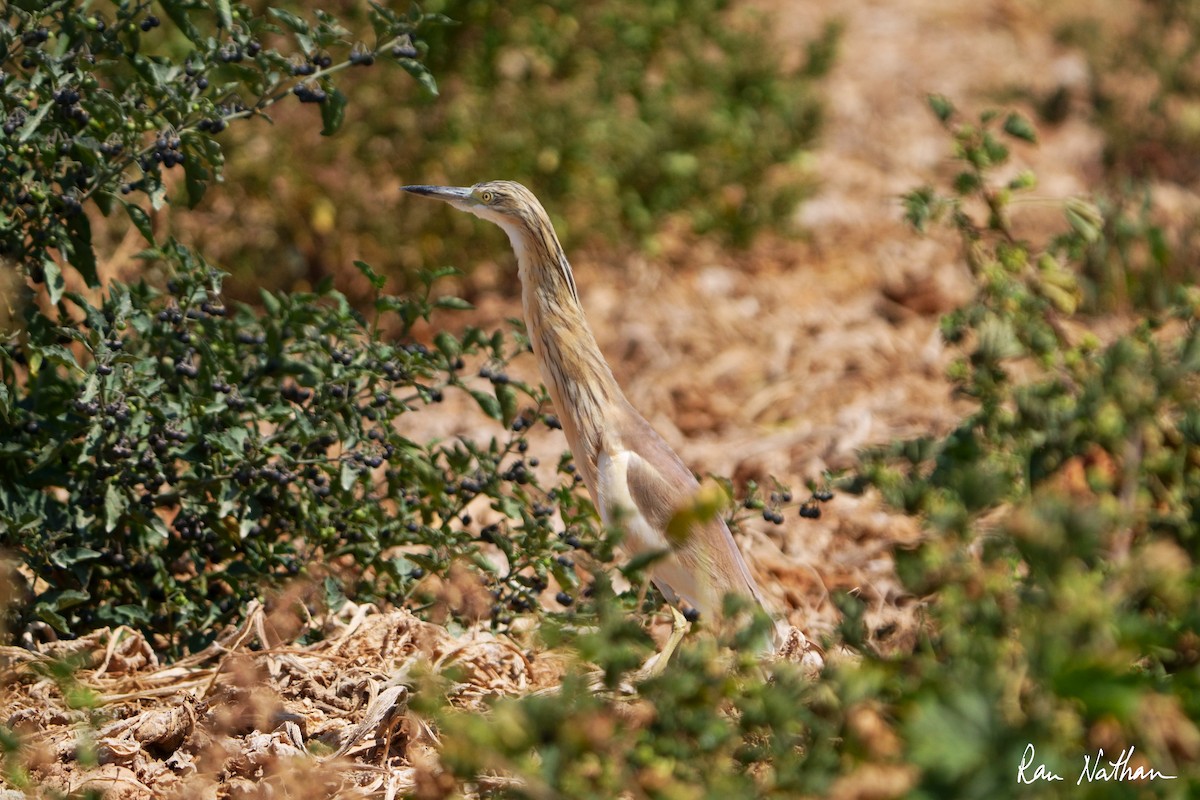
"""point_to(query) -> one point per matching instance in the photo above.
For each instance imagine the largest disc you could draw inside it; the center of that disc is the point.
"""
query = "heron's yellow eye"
(487, 196)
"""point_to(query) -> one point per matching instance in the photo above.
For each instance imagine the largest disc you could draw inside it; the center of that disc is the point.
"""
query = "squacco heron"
(635, 479)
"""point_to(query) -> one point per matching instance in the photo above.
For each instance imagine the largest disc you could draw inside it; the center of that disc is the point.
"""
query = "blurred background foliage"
(618, 115)
(1144, 82)
(1142, 90)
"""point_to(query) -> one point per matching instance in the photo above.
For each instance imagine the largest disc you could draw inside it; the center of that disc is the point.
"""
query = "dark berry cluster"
(309, 93)
(361, 56)
(14, 121)
(294, 393)
(231, 53)
(497, 377)
(405, 49)
(68, 101)
(518, 473)
(167, 149)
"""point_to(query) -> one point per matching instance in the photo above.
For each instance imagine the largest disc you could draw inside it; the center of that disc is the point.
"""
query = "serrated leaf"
(333, 110)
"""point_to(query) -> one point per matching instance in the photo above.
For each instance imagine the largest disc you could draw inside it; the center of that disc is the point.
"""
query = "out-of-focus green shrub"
(617, 115)
(621, 113)
(1145, 85)
(1144, 93)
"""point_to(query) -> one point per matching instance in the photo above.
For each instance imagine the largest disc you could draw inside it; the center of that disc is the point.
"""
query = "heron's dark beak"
(451, 194)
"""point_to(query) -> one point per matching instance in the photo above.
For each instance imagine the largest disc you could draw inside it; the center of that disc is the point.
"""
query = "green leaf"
(55, 285)
(640, 562)
(507, 396)
(289, 19)
(32, 123)
(115, 503)
(489, 404)
(64, 599)
(1018, 127)
(69, 556)
(453, 303)
(377, 280)
(196, 177)
(920, 207)
(141, 221)
(56, 354)
(335, 598)
(52, 618)
(423, 76)
(942, 108)
(177, 11)
(270, 303)
(83, 257)
(333, 110)
(225, 13)
(447, 344)
(349, 476)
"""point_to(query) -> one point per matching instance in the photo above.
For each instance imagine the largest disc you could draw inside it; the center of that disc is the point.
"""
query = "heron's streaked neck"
(573, 368)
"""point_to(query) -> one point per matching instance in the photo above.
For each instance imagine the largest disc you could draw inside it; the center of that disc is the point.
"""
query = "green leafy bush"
(167, 455)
